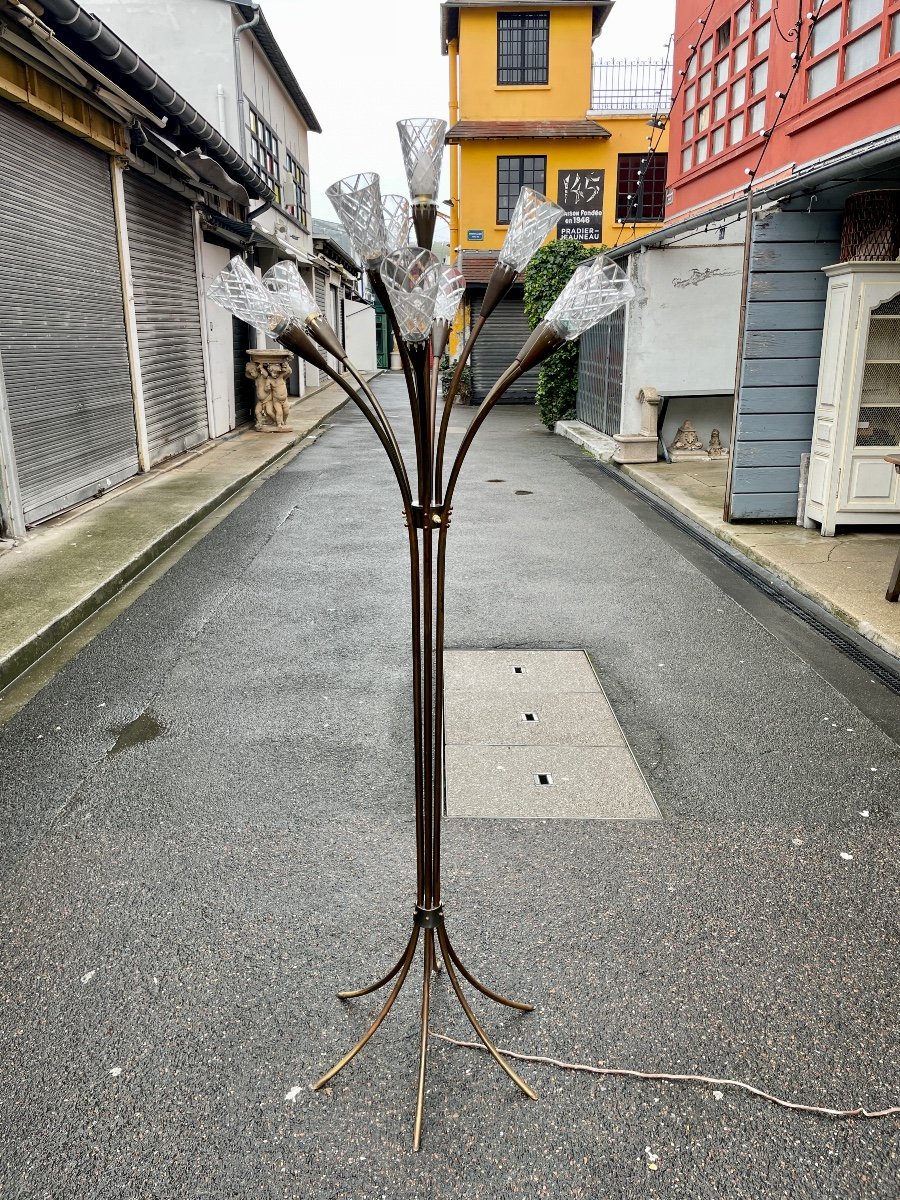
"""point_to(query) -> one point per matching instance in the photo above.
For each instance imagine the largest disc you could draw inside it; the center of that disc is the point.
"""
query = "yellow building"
(522, 112)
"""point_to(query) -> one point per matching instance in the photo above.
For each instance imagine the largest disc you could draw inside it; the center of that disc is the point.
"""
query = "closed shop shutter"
(62, 326)
(499, 342)
(167, 310)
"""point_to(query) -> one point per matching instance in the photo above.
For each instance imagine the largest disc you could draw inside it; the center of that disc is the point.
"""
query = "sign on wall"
(580, 193)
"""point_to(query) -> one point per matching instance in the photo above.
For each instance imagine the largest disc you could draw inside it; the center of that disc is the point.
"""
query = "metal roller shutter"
(498, 344)
(167, 310)
(62, 327)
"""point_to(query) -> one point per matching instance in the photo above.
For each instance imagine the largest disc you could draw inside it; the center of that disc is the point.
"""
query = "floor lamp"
(421, 297)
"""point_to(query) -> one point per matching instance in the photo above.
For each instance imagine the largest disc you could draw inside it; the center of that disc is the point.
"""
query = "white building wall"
(682, 330)
(359, 320)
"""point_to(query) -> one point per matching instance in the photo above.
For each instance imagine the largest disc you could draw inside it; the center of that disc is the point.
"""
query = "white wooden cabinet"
(857, 418)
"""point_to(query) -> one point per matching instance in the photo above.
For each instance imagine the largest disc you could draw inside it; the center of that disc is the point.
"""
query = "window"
(720, 104)
(822, 77)
(862, 53)
(701, 149)
(687, 157)
(895, 34)
(690, 96)
(702, 118)
(739, 92)
(742, 20)
(762, 7)
(264, 151)
(692, 65)
(721, 71)
(735, 129)
(717, 140)
(849, 40)
(297, 190)
(756, 117)
(688, 129)
(648, 200)
(758, 77)
(761, 40)
(523, 41)
(723, 36)
(512, 175)
(706, 51)
(705, 85)
(740, 56)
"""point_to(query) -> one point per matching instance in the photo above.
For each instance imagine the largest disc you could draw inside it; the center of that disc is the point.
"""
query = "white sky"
(363, 66)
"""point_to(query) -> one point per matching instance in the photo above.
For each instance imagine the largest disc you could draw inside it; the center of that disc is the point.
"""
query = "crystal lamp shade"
(422, 143)
(397, 219)
(412, 278)
(533, 218)
(597, 289)
(284, 281)
(238, 290)
(357, 202)
(450, 292)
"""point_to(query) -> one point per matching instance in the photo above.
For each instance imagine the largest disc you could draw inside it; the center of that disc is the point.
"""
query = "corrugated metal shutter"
(62, 326)
(167, 309)
(498, 344)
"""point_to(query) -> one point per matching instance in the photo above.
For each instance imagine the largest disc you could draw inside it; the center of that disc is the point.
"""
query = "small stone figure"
(716, 449)
(269, 370)
(687, 439)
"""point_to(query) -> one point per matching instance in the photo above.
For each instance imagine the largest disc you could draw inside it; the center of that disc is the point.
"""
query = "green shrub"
(546, 276)
(464, 391)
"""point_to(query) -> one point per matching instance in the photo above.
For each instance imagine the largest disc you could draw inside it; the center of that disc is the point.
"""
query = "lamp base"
(429, 923)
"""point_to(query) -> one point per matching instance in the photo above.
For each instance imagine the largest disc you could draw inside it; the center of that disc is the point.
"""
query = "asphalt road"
(176, 916)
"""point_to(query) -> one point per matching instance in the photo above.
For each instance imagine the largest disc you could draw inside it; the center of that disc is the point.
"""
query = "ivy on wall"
(547, 274)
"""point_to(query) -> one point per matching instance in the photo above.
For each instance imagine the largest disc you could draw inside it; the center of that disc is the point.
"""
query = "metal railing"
(629, 86)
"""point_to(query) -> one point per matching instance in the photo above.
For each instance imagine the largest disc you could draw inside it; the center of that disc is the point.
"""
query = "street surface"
(176, 916)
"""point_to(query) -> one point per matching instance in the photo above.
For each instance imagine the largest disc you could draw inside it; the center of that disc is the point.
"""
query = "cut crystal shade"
(285, 282)
(412, 278)
(596, 289)
(422, 143)
(450, 291)
(396, 221)
(533, 218)
(357, 202)
(238, 290)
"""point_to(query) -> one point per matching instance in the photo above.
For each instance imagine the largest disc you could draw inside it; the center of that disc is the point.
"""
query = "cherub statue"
(272, 405)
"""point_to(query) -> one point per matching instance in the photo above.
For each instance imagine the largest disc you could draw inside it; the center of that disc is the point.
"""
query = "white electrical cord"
(731, 1083)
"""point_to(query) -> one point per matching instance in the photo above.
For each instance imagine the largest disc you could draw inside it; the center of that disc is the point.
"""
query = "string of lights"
(660, 124)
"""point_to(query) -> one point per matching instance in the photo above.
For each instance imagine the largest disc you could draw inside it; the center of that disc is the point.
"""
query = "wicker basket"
(871, 231)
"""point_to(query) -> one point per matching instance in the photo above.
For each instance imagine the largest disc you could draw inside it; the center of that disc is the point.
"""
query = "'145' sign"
(580, 193)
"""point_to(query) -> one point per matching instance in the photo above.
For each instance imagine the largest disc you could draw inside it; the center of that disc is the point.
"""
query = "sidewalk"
(847, 575)
(69, 567)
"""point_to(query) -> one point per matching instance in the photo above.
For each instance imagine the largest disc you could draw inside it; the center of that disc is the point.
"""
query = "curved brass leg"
(473, 1020)
(373, 987)
(423, 1051)
(485, 991)
(406, 962)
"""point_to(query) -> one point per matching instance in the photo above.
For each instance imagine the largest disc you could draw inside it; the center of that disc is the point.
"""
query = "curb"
(597, 444)
(28, 653)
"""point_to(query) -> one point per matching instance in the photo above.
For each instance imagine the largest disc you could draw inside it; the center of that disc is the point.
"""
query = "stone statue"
(269, 369)
(716, 449)
(687, 440)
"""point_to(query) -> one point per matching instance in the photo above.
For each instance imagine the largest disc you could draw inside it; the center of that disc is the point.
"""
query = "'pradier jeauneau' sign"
(580, 193)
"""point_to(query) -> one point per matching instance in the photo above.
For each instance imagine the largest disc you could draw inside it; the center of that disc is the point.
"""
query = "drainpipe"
(453, 49)
(238, 77)
(220, 105)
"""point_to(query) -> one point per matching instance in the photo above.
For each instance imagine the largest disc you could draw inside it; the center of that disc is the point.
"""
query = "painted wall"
(568, 86)
(359, 322)
(478, 176)
(682, 330)
(808, 129)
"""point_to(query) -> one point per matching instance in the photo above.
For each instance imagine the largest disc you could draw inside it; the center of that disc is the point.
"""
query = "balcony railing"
(623, 86)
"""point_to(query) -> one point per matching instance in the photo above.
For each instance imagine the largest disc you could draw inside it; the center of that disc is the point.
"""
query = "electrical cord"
(840, 1113)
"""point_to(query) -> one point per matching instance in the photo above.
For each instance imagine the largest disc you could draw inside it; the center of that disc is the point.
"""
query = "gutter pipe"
(238, 74)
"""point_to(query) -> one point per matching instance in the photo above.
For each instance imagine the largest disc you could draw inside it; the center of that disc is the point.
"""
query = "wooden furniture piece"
(893, 590)
(857, 400)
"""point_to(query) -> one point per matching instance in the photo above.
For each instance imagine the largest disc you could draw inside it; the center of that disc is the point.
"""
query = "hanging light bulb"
(412, 278)
(357, 201)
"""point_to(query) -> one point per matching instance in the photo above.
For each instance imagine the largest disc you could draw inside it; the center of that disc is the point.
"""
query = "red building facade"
(735, 59)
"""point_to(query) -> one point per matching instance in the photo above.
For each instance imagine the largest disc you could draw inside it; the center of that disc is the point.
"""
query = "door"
(167, 311)
(220, 345)
(62, 320)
